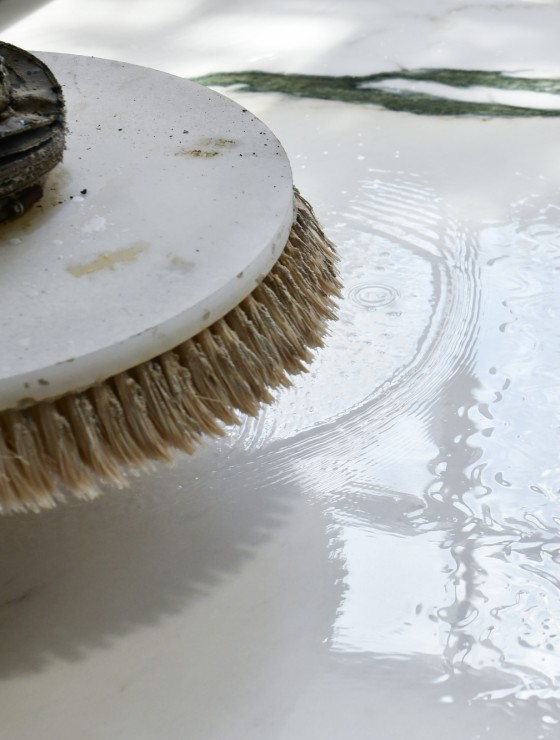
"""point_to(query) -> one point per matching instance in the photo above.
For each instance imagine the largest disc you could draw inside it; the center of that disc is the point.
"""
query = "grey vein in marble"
(441, 92)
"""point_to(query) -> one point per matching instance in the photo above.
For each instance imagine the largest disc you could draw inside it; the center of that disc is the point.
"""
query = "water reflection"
(437, 450)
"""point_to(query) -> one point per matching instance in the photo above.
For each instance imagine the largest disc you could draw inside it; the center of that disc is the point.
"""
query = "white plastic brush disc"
(171, 204)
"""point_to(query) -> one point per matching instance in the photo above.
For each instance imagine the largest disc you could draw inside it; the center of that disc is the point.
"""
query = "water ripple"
(381, 365)
(429, 429)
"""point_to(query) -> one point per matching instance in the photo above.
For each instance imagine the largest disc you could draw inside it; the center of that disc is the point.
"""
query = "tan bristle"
(61, 447)
(113, 420)
(128, 421)
(23, 464)
(270, 362)
(94, 450)
(194, 409)
(262, 319)
(206, 384)
(253, 365)
(142, 427)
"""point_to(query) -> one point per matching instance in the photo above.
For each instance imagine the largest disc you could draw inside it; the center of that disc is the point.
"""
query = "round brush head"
(169, 277)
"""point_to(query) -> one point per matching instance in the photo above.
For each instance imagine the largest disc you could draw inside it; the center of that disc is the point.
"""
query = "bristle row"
(136, 417)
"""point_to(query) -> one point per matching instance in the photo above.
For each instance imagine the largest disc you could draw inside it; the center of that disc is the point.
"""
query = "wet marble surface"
(378, 553)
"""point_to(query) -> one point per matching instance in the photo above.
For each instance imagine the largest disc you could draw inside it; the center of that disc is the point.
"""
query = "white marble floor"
(378, 554)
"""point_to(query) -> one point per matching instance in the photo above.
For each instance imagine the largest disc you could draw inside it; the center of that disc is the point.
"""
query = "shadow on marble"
(78, 577)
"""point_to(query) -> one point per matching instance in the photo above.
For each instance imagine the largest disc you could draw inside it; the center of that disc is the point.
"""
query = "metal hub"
(32, 129)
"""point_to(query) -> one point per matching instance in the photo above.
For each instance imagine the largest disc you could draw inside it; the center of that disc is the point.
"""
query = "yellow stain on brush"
(108, 260)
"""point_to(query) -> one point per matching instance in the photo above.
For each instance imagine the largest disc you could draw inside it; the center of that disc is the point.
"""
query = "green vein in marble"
(350, 89)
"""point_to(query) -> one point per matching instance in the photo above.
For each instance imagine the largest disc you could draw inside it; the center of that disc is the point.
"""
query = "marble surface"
(377, 555)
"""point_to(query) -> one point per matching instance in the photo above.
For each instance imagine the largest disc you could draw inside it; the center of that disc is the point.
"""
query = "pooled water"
(430, 429)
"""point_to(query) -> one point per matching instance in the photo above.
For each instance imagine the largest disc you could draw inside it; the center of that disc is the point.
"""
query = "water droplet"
(372, 296)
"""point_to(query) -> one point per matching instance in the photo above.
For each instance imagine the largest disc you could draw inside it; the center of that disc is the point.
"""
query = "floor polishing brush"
(159, 272)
